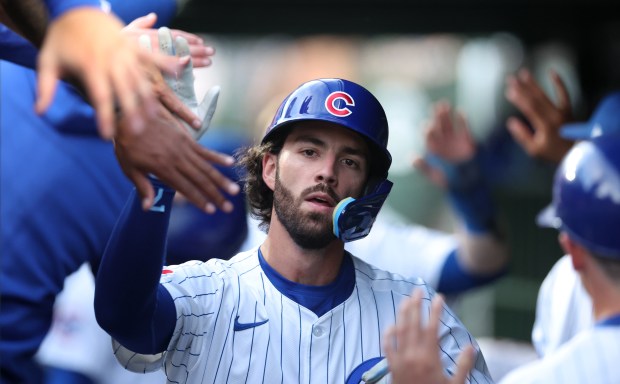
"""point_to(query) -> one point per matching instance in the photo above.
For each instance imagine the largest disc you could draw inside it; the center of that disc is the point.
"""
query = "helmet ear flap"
(352, 219)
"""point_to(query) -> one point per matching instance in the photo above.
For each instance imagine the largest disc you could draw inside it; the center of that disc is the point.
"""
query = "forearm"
(482, 254)
(482, 250)
(130, 304)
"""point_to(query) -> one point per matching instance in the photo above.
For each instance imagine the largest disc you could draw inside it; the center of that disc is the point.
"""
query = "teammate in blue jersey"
(148, 148)
(76, 347)
(48, 231)
(297, 308)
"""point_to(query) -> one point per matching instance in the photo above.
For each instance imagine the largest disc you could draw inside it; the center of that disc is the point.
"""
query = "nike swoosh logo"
(243, 326)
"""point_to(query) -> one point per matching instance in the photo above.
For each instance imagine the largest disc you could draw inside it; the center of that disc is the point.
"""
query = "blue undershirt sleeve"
(130, 304)
(16, 49)
(468, 192)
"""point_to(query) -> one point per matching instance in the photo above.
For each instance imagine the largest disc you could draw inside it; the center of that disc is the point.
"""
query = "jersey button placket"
(318, 331)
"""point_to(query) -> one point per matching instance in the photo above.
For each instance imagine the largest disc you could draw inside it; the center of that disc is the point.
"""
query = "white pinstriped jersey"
(592, 356)
(563, 308)
(234, 326)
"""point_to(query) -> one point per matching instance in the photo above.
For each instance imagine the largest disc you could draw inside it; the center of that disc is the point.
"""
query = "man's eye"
(350, 163)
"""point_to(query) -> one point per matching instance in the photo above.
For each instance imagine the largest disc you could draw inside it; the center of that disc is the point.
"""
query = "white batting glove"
(183, 83)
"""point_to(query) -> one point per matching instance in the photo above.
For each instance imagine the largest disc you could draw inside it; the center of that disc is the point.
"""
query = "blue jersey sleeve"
(130, 10)
(130, 304)
(16, 49)
(58, 7)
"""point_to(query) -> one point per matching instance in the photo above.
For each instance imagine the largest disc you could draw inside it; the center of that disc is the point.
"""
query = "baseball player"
(48, 232)
(563, 308)
(586, 211)
(298, 308)
(76, 344)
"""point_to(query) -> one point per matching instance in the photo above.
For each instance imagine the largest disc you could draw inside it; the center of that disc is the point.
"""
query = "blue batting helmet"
(342, 102)
(352, 106)
(196, 235)
(586, 196)
(604, 120)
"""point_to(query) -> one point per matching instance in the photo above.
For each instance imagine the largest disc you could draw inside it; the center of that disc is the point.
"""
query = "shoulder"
(380, 280)
(238, 265)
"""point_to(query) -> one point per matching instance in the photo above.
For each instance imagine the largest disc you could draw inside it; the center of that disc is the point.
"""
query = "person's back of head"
(586, 196)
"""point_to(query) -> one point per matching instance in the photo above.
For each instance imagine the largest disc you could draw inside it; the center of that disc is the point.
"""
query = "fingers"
(100, 95)
(200, 54)
(177, 107)
(207, 107)
(195, 177)
(48, 75)
(435, 316)
(561, 91)
(521, 133)
(185, 80)
(143, 22)
(143, 187)
(464, 364)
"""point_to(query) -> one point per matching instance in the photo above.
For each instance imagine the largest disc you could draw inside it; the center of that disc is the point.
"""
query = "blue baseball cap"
(586, 196)
(604, 120)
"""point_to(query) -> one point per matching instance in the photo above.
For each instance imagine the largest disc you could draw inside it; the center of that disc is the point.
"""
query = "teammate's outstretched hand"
(412, 348)
(85, 44)
(448, 140)
(543, 139)
(169, 150)
(166, 150)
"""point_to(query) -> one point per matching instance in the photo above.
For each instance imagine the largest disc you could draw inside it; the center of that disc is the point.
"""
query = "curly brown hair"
(258, 194)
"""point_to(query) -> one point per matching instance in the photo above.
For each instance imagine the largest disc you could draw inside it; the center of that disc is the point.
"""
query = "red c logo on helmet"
(330, 103)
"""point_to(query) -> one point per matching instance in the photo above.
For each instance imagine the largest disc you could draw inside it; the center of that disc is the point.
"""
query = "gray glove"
(183, 83)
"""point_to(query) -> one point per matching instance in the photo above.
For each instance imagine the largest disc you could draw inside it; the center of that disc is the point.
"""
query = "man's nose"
(328, 172)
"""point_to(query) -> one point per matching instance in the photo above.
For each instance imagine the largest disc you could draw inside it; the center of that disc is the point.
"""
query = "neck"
(604, 292)
(305, 266)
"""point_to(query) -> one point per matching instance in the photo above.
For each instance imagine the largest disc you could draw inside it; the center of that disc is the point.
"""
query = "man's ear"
(270, 165)
(575, 250)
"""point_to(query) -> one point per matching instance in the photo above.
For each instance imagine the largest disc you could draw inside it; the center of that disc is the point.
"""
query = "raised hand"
(168, 149)
(85, 44)
(412, 347)
(543, 139)
(448, 143)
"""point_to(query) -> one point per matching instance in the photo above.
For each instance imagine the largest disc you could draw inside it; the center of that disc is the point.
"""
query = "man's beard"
(308, 230)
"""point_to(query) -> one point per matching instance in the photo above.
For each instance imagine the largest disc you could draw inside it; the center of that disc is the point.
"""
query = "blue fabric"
(55, 375)
(130, 10)
(123, 312)
(318, 299)
(455, 279)
(61, 194)
(468, 191)
(57, 7)
(16, 49)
